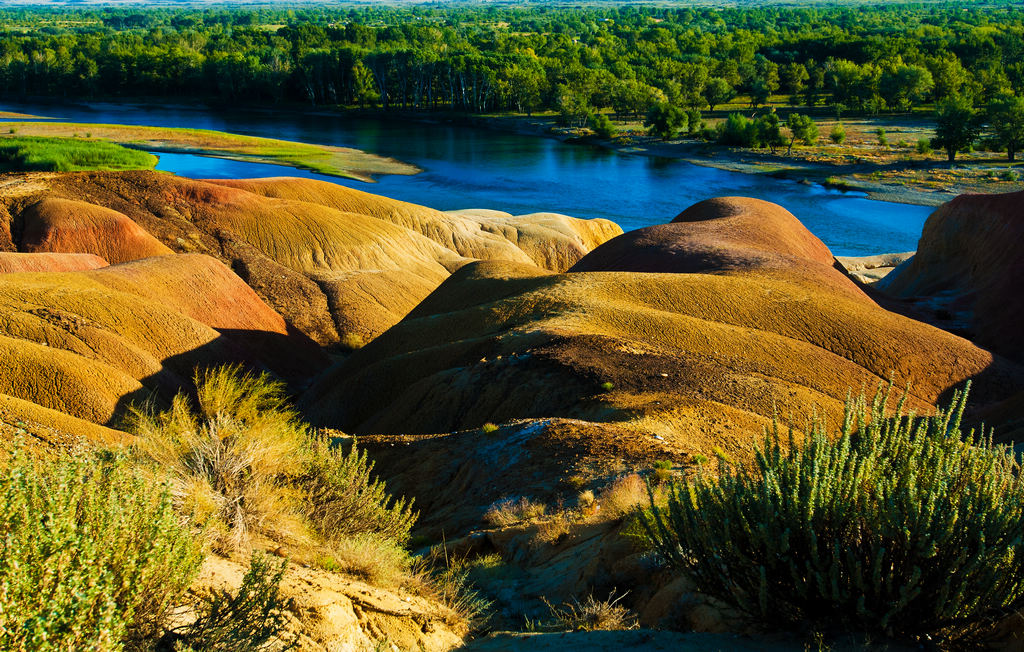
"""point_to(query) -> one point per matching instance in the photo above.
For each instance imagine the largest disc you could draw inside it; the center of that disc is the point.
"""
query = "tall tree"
(1006, 115)
(718, 91)
(956, 125)
(801, 128)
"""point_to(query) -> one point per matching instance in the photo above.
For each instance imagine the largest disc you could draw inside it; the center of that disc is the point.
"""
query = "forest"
(846, 60)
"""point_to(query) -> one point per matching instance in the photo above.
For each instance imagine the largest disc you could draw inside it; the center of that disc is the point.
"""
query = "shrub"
(607, 386)
(838, 134)
(593, 615)
(488, 428)
(883, 140)
(376, 559)
(513, 510)
(623, 496)
(738, 130)
(228, 453)
(242, 462)
(663, 470)
(449, 581)
(343, 499)
(665, 120)
(899, 526)
(251, 619)
(93, 556)
(924, 146)
(602, 125)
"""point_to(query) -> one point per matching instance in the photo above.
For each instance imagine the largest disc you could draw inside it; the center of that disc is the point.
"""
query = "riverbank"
(893, 173)
(322, 159)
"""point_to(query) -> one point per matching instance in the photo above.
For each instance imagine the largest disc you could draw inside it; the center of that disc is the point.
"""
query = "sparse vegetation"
(899, 526)
(838, 134)
(513, 510)
(623, 496)
(343, 499)
(243, 464)
(27, 153)
(93, 556)
(592, 615)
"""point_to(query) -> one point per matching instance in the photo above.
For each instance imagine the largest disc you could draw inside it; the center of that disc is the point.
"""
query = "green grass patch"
(32, 153)
(322, 159)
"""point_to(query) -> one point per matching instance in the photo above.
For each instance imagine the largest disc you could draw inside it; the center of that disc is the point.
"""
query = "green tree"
(903, 86)
(1006, 115)
(738, 130)
(795, 77)
(956, 125)
(718, 91)
(665, 120)
(802, 128)
(769, 131)
(601, 125)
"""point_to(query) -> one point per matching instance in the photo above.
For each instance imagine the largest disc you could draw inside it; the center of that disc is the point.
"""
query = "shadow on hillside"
(293, 359)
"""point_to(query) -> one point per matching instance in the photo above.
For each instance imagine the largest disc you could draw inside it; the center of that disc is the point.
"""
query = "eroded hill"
(339, 264)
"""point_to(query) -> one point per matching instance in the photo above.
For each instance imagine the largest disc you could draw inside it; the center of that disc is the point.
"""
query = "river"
(469, 167)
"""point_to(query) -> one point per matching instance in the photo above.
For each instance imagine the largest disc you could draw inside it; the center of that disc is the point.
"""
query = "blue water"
(466, 167)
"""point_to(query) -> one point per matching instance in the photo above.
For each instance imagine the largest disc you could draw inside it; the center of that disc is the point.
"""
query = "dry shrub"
(593, 615)
(375, 559)
(623, 496)
(227, 453)
(513, 510)
(555, 529)
(449, 580)
(242, 463)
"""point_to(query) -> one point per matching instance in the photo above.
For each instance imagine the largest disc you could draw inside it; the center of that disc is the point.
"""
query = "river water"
(467, 167)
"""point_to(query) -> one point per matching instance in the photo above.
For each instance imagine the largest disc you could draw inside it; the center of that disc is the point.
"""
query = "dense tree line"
(484, 59)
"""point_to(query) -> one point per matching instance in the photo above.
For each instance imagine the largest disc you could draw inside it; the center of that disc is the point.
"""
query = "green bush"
(838, 133)
(251, 619)
(93, 556)
(899, 526)
(601, 124)
(343, 499)
(69, 155)
(738, 130)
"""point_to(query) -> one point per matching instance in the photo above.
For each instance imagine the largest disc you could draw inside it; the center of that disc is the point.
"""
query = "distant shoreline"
(744, 161)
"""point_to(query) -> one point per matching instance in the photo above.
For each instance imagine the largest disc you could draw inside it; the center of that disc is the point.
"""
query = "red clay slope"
(725, 235)
(86, 343)
(969, 266)
(69, 226)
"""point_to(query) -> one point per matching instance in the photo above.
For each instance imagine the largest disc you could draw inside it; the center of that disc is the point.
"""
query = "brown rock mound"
(86, 343)
(726, 235)
(699, 359)
(12, 263)
(69, 226)
(549, 240)
(968, 269)
(336, 263)
(36, 425)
